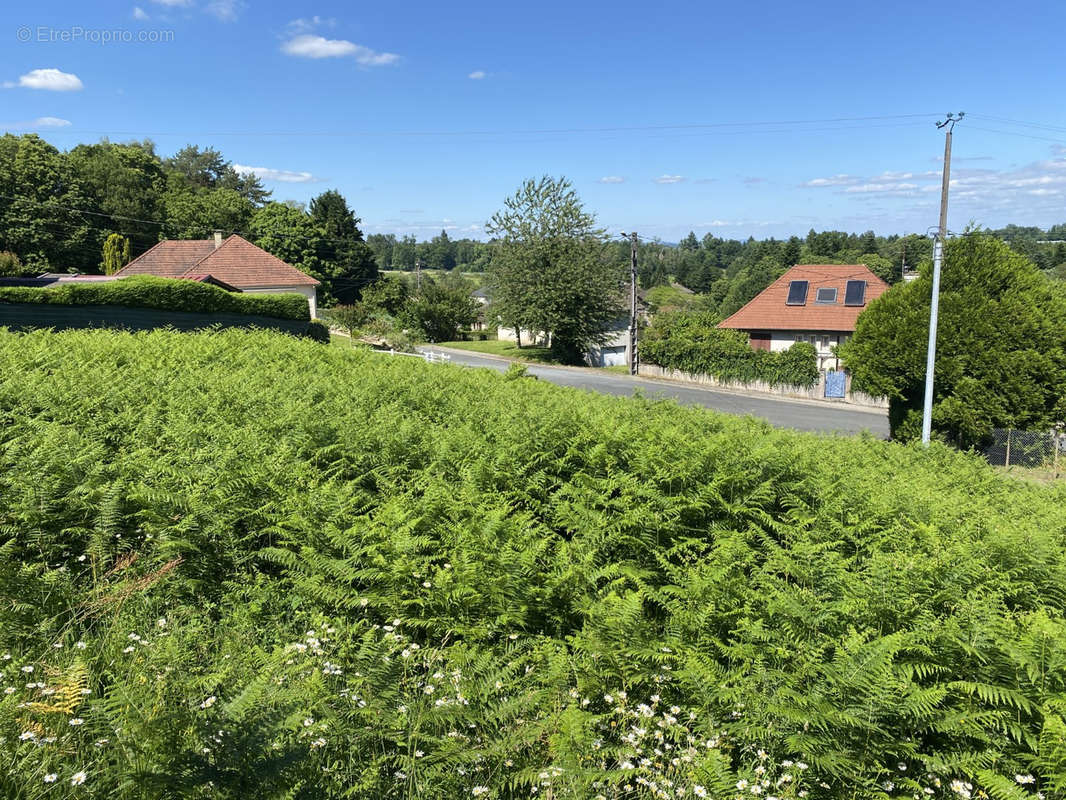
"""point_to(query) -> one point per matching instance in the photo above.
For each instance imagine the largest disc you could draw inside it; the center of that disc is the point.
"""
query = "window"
(855, 294)
(826, 295)
(825, 342)
(797, 293)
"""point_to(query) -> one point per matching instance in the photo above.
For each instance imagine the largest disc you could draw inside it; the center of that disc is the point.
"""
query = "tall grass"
(241, 565)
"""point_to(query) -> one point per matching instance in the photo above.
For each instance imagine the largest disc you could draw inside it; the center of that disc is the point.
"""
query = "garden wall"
(815, 392)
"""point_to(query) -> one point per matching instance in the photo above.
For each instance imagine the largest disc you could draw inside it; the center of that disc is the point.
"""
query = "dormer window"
(797, 293)
(826, 296)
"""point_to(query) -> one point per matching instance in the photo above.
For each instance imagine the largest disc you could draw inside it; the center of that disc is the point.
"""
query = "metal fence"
(1011, 448)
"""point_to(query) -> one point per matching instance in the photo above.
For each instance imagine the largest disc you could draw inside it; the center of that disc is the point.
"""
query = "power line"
(1017, 133)
(511, 131)
(1023, 123)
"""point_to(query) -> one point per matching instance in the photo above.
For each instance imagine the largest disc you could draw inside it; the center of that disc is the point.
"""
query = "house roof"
(170, 258)
(236, 262)
(769, 310)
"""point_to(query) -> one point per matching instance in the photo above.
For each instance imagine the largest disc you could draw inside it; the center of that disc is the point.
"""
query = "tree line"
(58, 211)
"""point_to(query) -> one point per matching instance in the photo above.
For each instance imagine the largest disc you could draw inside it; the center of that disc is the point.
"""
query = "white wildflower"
(50, 777)
(78, 778)
(208, 702)
(77, 721)
(478, 791)
(1024, 779)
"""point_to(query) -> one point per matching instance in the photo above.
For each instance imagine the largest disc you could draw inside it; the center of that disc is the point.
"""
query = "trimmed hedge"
(691, 342)
(167, 294)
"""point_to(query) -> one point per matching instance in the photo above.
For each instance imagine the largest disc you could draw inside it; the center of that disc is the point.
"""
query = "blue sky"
(740, 119)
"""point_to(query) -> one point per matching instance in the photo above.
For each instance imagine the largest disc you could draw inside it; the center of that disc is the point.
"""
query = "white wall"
(613, 352)
(823, 342)
(310, 292)
(505, 334)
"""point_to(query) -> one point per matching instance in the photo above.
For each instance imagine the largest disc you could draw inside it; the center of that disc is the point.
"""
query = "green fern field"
(240, 565)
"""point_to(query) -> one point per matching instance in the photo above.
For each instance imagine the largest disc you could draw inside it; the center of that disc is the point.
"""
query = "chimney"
(218, 239)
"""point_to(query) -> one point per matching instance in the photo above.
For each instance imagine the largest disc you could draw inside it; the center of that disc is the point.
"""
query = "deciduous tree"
(551, 273)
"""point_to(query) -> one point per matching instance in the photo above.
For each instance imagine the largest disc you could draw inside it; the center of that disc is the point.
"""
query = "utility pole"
(633, 303)
(938, 259)
(418, 276)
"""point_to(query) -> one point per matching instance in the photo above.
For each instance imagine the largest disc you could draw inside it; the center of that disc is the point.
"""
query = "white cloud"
(477, 75)
(612, 179)
(834, 180)
(139, 13)
(740, 223)
(34, 124)
(225, 10)
(669, 179)
(308, 24)
(309, 45)
(51, 80)
(868, 188)
(174, 3)
(282, 175)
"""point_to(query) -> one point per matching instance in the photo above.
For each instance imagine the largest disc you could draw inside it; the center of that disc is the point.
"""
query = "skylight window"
(797, 293)
(855, 294)
(826, 295)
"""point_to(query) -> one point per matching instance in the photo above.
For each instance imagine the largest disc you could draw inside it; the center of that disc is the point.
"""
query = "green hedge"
(691, 342)
(167, 294)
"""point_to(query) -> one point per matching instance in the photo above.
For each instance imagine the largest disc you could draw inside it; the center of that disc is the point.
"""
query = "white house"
(816, 303)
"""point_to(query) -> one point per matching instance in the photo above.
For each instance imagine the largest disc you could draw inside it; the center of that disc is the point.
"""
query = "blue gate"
(835, 383)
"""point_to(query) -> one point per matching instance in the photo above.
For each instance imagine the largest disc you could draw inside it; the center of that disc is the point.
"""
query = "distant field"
(243, 565)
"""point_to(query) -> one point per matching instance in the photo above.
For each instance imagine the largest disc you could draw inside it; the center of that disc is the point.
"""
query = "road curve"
(803, 415)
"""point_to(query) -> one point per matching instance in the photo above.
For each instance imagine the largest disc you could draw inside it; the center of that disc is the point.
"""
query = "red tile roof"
(769, 311)
(169, 258)
(237, 262)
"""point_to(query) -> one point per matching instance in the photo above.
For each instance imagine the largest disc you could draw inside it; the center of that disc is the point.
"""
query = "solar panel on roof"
(797, 293)
(855, 294)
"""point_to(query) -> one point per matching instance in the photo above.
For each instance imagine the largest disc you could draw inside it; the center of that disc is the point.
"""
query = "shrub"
(167, 294)
(255, 567)
(692, 342)
(1001, 346)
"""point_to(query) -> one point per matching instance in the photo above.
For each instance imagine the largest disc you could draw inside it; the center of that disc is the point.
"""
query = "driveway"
(803, 415)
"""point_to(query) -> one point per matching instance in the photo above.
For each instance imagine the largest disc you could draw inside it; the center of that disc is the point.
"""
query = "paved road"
(801, 415)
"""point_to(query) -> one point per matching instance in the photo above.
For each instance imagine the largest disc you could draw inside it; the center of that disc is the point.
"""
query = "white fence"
(426, 355)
